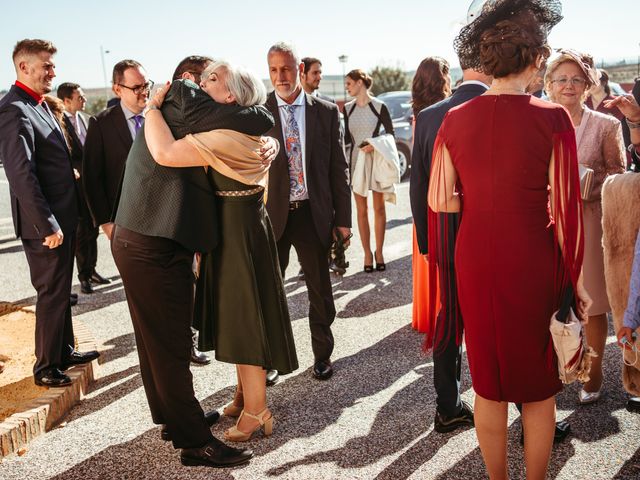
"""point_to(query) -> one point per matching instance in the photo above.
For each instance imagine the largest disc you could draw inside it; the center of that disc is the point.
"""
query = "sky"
(374, 32)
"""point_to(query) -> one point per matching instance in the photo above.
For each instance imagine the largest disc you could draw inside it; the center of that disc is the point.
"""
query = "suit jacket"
(179, 203)
(326, 171)
(426, 129)
(105, 152)
(38, 166)
(76, 161)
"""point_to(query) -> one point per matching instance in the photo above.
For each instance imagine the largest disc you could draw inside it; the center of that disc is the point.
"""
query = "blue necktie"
(293, 147)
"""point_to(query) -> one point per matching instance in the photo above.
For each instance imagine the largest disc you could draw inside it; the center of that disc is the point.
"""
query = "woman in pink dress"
(508, 162)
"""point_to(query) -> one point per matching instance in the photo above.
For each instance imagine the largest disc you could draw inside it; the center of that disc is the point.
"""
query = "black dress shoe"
(563, 429)
(210, 417)
(198, 357)
(85, 286)
(272, 377)
(99, 279)
(322, 370)
(73, 299)
(444, 424)
(52, 377)
(215, 454)
(78, 358)
(73, 295)
(633, 405)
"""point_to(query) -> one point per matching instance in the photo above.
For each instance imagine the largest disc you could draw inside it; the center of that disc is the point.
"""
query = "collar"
(128, 114)
(474, 82)
(299, 101)
(36, 96)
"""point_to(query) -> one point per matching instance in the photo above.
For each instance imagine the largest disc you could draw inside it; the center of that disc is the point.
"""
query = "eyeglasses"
(138, 89)
(575, 81)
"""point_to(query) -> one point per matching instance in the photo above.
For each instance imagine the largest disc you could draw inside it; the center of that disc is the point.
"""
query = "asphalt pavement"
(372, 419)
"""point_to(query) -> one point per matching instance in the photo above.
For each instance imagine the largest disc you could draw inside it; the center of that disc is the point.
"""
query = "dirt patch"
(17, 334)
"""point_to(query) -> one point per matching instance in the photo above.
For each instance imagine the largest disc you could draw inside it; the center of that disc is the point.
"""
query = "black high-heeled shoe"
(368, 268)
(380, 266)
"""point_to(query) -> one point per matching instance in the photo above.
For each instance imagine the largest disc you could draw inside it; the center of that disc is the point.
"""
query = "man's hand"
(107, 228)
(627, 105)
(76, 173)
(269, 150)
(54, 240)
(346, 234)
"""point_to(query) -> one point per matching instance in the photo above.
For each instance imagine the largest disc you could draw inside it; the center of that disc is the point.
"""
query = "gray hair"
(286, 48)
(245, 86)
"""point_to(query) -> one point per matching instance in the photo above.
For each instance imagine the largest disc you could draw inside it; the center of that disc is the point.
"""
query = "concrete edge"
(47, 411)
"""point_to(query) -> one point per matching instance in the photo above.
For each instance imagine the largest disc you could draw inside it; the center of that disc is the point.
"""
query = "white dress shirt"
(78, 126)
(299, 114)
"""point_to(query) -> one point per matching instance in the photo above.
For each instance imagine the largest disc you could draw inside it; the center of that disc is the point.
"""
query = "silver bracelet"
(150, 107)
(631, 124)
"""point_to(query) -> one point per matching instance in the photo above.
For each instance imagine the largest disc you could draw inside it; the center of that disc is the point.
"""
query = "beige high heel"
(233, 410)
(235, 435)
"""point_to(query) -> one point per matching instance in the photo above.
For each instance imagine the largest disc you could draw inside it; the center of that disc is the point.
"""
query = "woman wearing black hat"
(519, 244)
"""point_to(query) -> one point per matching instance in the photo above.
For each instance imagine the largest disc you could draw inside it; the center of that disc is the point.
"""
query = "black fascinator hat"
(546, 13)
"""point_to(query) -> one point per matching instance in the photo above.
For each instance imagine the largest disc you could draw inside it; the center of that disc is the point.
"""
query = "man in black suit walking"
(451, 411)
(87, 234)
(309, 192)
(44, 204)
(311, 76)
(109, 138)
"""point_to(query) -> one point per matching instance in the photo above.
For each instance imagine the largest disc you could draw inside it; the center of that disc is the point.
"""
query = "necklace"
(512, 90)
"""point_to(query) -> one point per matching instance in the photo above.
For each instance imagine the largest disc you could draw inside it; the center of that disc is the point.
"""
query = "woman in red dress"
(508, 162)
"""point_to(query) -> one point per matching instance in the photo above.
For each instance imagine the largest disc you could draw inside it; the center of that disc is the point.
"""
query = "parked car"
(399, 105)
(616, 89)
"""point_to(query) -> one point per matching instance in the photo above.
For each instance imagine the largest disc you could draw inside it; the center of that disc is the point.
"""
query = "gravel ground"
(373, 419)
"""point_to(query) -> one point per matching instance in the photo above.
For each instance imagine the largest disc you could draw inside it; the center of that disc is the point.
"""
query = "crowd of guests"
(178, 183)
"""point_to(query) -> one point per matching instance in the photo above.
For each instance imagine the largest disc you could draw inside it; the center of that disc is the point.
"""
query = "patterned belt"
(238, 193)
(296, 204)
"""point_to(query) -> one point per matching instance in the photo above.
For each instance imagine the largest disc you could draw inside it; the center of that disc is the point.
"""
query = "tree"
(96, 105)
(388, 79)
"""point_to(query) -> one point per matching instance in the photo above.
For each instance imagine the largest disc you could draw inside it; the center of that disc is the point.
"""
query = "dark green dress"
(241, 307)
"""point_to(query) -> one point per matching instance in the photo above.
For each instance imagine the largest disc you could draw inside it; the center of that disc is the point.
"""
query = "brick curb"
(45, 412)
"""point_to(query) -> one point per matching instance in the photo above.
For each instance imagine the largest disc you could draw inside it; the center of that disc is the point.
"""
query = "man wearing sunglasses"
(109, 139)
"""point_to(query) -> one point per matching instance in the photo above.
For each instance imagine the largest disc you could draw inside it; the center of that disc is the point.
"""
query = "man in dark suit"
(86, 253)
(109, 138)
(165, 215)
(44, 204)
(309, 192)
(451, 411)
(311, 76)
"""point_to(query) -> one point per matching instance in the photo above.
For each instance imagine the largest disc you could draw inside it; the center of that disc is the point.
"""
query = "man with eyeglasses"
(109, 139)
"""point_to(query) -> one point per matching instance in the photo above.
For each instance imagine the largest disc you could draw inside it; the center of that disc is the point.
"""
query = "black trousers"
(51, 273)
(447, 358)
(312, 253)
(158, 282)
(86, 248)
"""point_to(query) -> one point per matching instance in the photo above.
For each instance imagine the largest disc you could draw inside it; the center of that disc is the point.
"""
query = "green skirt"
(241, 306)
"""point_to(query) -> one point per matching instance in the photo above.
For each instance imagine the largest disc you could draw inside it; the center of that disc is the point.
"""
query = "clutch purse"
(586, 181)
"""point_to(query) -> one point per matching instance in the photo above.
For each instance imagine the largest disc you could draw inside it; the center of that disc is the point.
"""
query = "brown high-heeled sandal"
(234, 410)
(235, 435)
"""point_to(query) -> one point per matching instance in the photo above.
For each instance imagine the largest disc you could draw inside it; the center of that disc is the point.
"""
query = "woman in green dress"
(241, 306)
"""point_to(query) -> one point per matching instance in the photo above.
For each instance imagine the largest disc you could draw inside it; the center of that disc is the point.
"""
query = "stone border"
(45, 412)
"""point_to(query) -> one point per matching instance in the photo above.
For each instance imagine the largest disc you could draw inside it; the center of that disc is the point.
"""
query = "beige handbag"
(570, 343)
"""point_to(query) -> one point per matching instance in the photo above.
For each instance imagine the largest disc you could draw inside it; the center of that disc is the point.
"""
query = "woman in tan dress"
(600, 147)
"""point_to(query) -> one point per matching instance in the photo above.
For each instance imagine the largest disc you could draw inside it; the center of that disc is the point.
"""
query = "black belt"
(296, 204)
